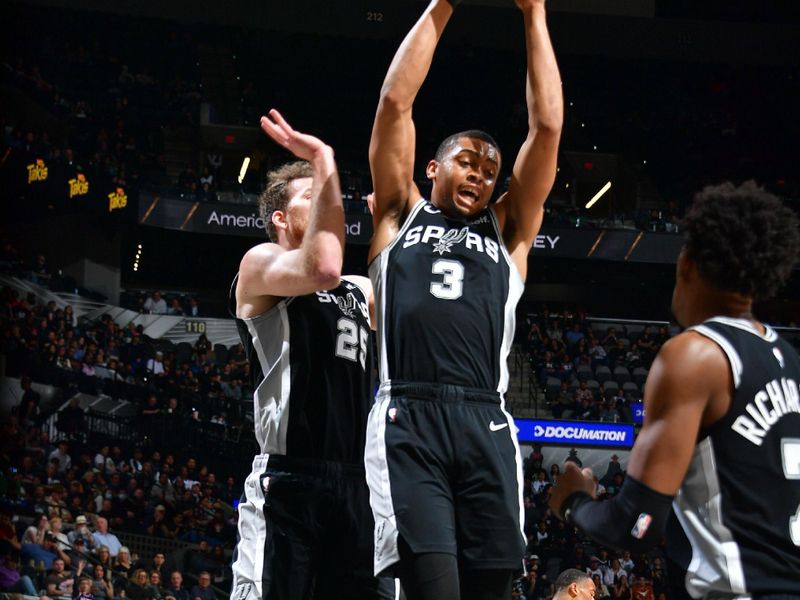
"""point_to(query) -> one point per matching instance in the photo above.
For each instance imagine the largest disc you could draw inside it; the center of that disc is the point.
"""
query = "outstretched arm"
(271, 270)
(521, 210)
(391, 148)
(689, 386)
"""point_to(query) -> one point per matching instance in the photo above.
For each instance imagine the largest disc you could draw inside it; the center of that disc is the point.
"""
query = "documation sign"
(575, 433)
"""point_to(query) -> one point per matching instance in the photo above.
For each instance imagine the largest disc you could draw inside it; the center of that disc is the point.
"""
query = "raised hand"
(301, 145)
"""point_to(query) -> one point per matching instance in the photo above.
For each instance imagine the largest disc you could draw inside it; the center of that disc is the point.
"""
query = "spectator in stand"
(613, 575)
(102, 588)
(59, 581)
(104, 558)
(601, 589)
(10, 578)
(155, 304)
(123, 568)
(175, 307)
(103, 537)
(155, 588)
(155, 365)
(61, 455)
(598, 353)
(175, 587)
(594, 567)
(28, 409)
(193, 309)
(39, 273)
(642, 589)
(138, 586)
(203, 588)
(34, 534)
(78, 553)
(55, 529)
(626, 562)
(8, 533)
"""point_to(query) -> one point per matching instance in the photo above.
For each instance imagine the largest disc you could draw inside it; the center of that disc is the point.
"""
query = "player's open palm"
(301, 145)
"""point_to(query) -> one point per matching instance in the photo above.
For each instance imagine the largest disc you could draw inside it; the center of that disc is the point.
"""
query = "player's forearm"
(543, 90)
(412, 61)
(323, 243)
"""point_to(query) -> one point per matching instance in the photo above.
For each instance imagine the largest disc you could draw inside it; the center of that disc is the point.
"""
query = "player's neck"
(715, 303)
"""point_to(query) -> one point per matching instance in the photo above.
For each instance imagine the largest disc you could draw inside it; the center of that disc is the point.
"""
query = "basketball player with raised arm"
(717, 463)
(442, 459)
(305, 527)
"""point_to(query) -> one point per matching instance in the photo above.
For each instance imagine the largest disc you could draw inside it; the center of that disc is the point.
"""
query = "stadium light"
(243, 170)
(598, 195)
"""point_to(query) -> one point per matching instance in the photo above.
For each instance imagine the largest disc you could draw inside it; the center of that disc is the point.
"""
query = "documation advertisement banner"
(227, 219)
(574, 433)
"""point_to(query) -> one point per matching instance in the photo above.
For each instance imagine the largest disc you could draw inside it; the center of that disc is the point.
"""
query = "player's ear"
(432, 169)
(278, 219)
(573, 590)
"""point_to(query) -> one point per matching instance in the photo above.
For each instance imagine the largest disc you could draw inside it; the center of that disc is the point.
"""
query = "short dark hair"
(450, 141)
(276, 192)
(742, 239)
(569, 577)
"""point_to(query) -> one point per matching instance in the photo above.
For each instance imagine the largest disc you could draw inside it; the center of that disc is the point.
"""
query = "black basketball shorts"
(305, 531)
(444, 472)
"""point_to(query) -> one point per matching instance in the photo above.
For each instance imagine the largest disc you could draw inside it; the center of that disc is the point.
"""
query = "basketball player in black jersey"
(304, 524)
(442, 457)
(717, 463)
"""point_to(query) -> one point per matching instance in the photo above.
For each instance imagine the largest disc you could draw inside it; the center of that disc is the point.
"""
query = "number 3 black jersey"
(445, 293)
(739, 505)
(311, 362)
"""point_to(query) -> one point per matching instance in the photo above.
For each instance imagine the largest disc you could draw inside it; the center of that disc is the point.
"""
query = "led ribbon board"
(574, 433)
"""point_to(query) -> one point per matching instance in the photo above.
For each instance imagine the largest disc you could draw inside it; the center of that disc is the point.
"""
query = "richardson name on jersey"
(778, 398)
(443, 240)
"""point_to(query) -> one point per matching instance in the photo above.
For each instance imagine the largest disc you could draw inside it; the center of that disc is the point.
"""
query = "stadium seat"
(603, 374)
(640, 375)
(584, 372)
(611, 388)
(632, 389)
(622, 375)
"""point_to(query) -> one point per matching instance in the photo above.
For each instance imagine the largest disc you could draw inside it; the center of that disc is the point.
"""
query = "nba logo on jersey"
(779, 356)
(392, 414)
(642, 525)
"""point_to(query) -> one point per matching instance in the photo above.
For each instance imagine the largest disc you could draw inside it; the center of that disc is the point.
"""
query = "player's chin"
(468, 205)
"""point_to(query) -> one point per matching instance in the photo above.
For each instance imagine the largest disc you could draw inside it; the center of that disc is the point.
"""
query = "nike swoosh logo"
(497, 427)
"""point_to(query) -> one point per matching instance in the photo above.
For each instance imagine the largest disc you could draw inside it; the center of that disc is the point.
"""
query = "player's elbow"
(326, 274)
(394, 101)
(547, 123)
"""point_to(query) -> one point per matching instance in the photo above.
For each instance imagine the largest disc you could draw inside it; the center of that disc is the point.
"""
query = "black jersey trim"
(406, 224)
(502, 243)
(734, 360)
(769, 335)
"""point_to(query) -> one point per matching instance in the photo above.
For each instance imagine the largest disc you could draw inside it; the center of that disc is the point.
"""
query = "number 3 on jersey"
(452, 285)
(790, 455)
(351, 343)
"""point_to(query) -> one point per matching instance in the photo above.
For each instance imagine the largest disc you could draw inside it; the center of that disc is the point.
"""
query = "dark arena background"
(126, 208)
